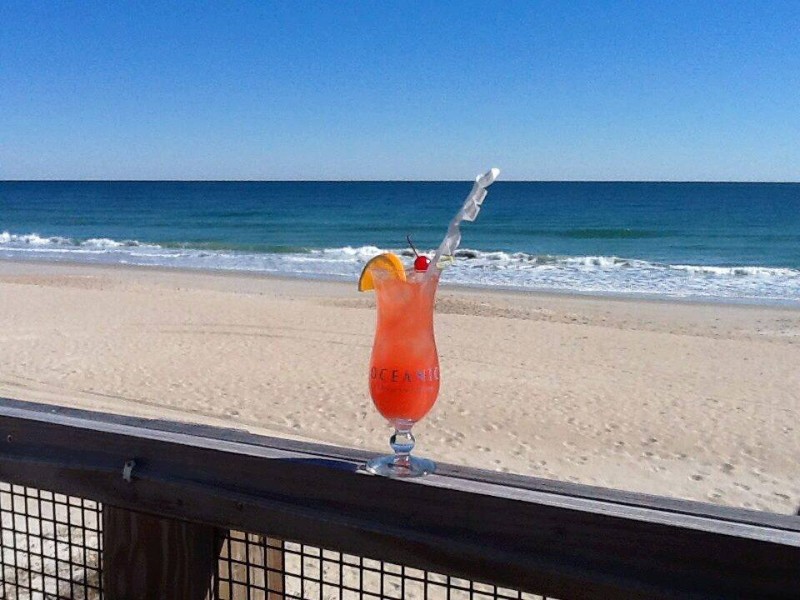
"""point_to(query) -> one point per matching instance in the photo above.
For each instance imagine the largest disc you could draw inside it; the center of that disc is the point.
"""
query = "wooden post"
(263, 567)
(145, 556)
(275, 565)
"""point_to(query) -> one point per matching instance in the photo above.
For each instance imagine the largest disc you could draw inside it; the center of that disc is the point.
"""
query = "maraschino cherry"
(422, 262)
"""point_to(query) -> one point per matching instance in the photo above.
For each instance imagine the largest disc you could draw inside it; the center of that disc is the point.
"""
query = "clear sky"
(643, 90)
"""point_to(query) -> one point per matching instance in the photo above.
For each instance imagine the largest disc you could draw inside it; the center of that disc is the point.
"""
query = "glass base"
(401, 467)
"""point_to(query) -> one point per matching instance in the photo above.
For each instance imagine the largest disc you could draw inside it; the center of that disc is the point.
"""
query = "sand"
(691, 400)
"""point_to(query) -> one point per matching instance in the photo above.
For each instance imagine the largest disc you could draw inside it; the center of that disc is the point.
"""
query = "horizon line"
(753, 181)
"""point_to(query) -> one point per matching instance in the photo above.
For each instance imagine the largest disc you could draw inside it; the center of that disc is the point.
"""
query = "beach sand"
(689, 400)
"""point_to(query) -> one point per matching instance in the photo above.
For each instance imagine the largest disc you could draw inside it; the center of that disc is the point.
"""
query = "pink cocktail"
(404, 367)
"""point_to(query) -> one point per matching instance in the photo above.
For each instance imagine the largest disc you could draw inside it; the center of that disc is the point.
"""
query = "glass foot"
(401, 466)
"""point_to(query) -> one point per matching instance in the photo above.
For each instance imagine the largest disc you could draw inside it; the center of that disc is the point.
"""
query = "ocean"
(726, 242)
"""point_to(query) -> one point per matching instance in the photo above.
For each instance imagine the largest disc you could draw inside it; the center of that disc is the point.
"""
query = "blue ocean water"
(714, 241)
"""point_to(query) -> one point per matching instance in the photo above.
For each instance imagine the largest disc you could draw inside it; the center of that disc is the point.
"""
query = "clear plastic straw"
(472, 205)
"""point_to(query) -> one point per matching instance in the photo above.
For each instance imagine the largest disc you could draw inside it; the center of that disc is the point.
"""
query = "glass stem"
(402, 442)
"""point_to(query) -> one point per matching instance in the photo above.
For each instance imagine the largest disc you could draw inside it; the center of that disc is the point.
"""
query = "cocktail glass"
(404, 368)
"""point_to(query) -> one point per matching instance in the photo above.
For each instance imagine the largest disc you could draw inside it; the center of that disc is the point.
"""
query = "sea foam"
(493, 269)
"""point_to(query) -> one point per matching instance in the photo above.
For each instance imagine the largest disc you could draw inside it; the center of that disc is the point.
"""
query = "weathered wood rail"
(560, 539)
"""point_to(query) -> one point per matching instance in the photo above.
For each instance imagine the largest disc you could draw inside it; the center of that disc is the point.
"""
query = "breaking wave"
(517, 270)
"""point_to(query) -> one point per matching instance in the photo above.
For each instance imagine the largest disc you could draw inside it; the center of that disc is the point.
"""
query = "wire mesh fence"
(51, 545)
(52, 549)
(259, 567)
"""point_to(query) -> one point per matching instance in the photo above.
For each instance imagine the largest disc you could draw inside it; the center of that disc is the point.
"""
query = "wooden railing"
(168, 489)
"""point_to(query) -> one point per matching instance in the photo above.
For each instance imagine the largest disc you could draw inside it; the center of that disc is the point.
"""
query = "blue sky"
(400, 90)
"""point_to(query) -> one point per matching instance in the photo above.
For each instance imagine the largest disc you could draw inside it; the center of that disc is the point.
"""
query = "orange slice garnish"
(385, 262)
